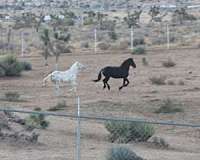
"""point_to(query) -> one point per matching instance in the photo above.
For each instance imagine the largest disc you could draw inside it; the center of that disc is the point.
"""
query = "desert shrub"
(69, 22)
(11, 65)
(88, 21)
(138, 41)
(144, 61)
(160, 80)
(27, 66)
(160, 142)
(108, 25)
(103, 46)
(124, 132)
(123, 44)
(85, 44)
(170, 82)
(112, 35)
(63, 48)
(59, 106)
(12, 96)
(139, 50)
(181, 82)
(36, 121)
(181, 15)
(2, 72)
(168, 106)
(122, 153)
(169, 63)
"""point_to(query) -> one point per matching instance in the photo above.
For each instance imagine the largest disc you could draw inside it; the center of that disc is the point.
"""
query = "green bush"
(169, 106)
(169, 63)
(69, 22)
(160, 80)
(181, 82)
(124, 132)
(160, 142)
(139, 41)
(88, 21)
(139, 50)
(26, 66)
(103, 46)
(59, 106)
(112, 35)
(2, 72)
(122, 153)
(144, 61)
(85, 45)
(36, 121)
(11, 65)
(171, 82)
(12, 96)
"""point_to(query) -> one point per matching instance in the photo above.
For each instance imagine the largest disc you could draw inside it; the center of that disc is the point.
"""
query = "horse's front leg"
(57, 88)
(127, 82)
(124, 80)
(74, 86)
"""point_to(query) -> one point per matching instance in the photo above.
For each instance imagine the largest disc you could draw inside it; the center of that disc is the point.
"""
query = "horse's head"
(79, 65)
(131, 62)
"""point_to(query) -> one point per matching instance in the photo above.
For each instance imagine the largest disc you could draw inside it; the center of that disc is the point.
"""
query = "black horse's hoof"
(120, 88)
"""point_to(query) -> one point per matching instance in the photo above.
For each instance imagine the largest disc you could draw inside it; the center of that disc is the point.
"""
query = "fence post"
(95, 40)
(2, 41)
(131, 37)
(22, 44)
(78, 130)
(168, 38)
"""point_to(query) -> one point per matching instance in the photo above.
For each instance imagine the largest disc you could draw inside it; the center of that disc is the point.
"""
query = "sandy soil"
(139, 99)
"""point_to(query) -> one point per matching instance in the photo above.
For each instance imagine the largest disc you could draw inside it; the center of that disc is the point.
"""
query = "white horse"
(69, 76)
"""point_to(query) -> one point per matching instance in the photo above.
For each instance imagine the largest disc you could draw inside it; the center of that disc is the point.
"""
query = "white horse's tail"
(47, 78)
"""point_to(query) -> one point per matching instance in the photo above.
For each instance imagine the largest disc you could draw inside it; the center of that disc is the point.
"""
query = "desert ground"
(139, 100)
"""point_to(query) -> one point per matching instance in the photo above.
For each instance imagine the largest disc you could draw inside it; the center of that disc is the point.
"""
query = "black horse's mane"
(126, 62)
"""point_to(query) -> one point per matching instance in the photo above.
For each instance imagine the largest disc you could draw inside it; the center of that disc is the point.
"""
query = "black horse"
(117, 72)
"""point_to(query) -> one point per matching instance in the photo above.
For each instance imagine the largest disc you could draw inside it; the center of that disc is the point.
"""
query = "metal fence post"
(131, 37)
(78, 130)
(95, 40)
(168, 38)
(22, 44)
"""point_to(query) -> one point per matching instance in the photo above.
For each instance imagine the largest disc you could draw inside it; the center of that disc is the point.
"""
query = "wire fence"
(94, 41)
(82, 136)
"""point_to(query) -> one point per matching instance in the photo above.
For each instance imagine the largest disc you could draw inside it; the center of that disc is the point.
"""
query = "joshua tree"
(155, 14)
(9, 34)
(100, 17)
(132, 20)
(138, 13)
(39, 20)
(60, 38)
(181, 14)
(46, 41)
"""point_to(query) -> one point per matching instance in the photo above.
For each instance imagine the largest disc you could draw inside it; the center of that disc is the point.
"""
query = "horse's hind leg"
(104, 84)
(105, 80)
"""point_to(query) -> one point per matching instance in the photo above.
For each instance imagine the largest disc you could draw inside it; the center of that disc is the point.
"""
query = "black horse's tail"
(99, 77)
